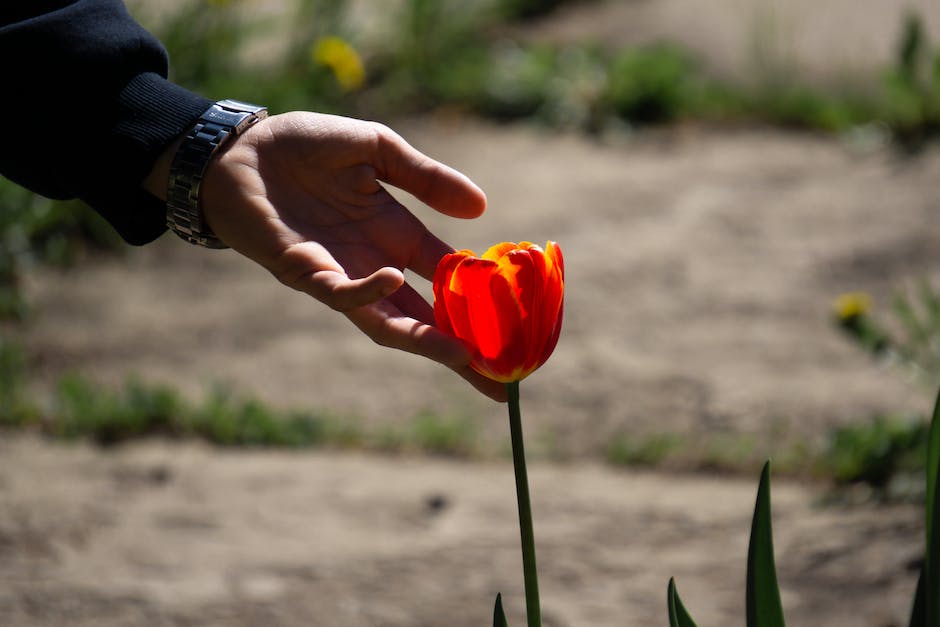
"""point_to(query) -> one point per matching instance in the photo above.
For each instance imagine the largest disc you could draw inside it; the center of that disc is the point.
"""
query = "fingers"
(375, 304)
(493, 389)
(310, 268)
(386, 325)
(431, 182)
(343, 294)
(428, 254)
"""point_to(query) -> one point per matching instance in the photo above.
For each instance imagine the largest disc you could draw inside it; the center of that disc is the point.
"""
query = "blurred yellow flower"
(852, 305)
(336, 54)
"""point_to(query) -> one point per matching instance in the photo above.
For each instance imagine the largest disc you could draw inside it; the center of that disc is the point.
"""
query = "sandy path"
(156, 534)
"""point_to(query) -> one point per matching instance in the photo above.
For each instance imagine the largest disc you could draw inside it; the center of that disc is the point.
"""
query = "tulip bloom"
(507, 305)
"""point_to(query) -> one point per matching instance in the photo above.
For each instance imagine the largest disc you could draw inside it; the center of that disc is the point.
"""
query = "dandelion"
(852, 305)
(342, 59)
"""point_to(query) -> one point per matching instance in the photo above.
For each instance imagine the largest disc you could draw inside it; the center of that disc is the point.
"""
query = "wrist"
(156, 181)
(215, 128)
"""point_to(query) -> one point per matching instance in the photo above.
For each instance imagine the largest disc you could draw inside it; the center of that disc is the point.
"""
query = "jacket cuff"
(152, 113)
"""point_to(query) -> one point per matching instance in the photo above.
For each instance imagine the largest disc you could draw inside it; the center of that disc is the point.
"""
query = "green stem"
(529, 572)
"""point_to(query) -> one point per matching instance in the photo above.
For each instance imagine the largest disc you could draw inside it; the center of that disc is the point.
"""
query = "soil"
(702, 264)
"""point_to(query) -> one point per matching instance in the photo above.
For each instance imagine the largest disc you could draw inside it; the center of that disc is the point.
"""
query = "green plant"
(627, 450)
(912, 86)
(227, 419)
(442, 53)
(16, 409)
(527, 9)
(518, 83)
(763, 606)
(652, 84)
(441, 435)
(876, 452)
(762, 595)
(38, 231)
(438, 57)
(910, 338)
(83, 409)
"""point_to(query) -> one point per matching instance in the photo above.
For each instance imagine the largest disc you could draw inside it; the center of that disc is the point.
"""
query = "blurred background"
(747, 193)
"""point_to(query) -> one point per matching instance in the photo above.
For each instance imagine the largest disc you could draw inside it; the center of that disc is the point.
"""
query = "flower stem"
(529, 572)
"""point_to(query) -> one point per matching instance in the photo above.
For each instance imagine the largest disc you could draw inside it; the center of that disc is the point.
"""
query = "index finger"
(437, 185)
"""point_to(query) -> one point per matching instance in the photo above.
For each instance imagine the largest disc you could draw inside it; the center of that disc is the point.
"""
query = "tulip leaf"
(919, 611)
(678, 615)
(763, 594)
(932, 562)
(927, 598)
(926, 607)
(499, 618)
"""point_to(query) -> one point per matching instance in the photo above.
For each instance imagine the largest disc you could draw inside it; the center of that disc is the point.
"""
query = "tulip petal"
(555, 299)
(547, 317)
(471, 282)
(520, 268)
(494, 253)
(512, 347)
(447, 310)
(553, 251)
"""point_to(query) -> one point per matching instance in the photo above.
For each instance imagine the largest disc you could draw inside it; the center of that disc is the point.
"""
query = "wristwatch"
(220, 123)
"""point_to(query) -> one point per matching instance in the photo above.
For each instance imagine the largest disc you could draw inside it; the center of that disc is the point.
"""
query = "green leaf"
(925, 611)
(499, 618)
(919, 610)
(763, 595)
(932, 552)
(933, 467)
(926, 607)
(678, 615)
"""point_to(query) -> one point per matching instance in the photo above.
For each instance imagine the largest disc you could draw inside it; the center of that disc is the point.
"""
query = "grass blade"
(763, 595)
(499, 618)
(678, 615)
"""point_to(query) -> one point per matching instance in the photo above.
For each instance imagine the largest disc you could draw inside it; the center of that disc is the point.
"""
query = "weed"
(35, 230)
(442, 435)
(875, 452)
(16, 409)
(654, 84)
(83, 409)
(652, 450)
(912, 86)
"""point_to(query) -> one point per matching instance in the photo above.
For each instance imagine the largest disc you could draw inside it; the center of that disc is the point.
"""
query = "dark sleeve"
(91, 108)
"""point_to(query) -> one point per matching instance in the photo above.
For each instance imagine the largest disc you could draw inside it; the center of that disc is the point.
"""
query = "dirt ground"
(702, 264)
(157, 534)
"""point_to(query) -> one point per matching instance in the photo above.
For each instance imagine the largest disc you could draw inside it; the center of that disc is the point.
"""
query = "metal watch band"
(222, 121)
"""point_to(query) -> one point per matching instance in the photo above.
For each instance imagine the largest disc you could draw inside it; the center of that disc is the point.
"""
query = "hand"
(300, 194)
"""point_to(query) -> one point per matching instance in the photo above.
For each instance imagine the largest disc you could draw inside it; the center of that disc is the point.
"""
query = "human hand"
(301, 194)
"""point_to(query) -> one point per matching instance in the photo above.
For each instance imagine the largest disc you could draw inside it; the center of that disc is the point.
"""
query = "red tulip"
(506, 305)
